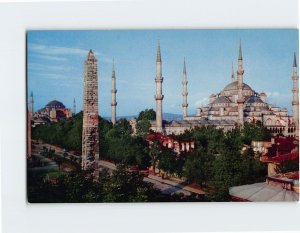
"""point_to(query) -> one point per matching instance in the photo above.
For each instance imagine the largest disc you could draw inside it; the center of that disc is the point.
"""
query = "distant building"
(170, 143)
(236, 104)
(54, 111)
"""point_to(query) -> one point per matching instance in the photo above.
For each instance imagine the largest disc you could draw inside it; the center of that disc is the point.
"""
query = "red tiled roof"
(281, 158)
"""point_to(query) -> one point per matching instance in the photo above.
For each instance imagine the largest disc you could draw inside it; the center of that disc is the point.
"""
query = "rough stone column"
(184, 91)
(113, 95)
(159, 96)
(31, 106)
(90, 130)
(240, 100)
(295, 91)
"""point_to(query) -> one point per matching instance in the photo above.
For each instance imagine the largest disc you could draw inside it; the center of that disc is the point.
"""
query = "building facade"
(236, 104)
(54, 111)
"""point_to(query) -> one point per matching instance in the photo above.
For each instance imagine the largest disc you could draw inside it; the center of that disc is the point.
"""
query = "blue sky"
(55, 65)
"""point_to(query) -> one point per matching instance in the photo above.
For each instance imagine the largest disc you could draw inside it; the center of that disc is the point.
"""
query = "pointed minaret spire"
(113, 94)
(159, 96)
(74, 106)
(240, 51)
(232, 73)
(158, 55)
(31, 105)
(295, 91)
(184, 66)
(295, 61)
(184, 91)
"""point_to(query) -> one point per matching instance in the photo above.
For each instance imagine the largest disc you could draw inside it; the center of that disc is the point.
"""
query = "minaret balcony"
(159, 79)
(185, 93)
(159, 97)
(185, 105)
(113, 91)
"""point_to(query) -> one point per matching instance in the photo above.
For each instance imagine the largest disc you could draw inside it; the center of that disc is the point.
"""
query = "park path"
(167, 186)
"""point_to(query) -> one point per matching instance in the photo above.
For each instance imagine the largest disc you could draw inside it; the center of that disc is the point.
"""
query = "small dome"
(55, 104)
(234, 86)
(222, 100)
(263, 94)
(253, 99)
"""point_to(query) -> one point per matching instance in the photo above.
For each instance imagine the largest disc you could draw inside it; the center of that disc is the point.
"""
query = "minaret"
(74, 107)
(240, 100)
(159, 96)
(29, 147)
(90, 130)
(31, 106)
(113, 95)
(232, 73)
(295, 91)
(184, 91)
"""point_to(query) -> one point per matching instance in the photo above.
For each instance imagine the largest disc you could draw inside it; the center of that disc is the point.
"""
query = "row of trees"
(120, 186)
(217, 162)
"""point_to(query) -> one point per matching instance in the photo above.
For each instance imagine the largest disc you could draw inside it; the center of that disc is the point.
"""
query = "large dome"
(55, 104)
(234, 86)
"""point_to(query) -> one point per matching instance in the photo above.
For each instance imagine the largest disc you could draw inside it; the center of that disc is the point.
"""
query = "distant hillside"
(166, 116)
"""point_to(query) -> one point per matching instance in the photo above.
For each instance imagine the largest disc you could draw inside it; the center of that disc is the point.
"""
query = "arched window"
(277, 122)
(268, 121)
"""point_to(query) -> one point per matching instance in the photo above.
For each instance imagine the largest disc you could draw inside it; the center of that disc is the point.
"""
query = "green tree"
(197, 167)
(148, 114)
(254, 132)
(143, 122)
(154, 153)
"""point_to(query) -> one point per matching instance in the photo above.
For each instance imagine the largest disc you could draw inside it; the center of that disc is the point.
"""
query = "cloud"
(42, 67)
(57, 53)
(200, 102)
(55, 50)
(52, 58)
(278, 96)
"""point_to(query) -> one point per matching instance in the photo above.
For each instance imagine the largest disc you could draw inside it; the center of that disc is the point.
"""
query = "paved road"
(165, 185)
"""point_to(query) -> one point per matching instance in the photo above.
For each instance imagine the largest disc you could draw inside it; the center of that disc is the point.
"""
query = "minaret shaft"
(184, 92)
(295, 92)
(74, 107)
(113, 96)
(159, 96)
(240, 101)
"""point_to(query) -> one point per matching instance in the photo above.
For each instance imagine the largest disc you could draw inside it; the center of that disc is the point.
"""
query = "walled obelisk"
(90, 130)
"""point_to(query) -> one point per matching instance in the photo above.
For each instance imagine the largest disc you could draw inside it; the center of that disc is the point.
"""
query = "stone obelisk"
(90, 130)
